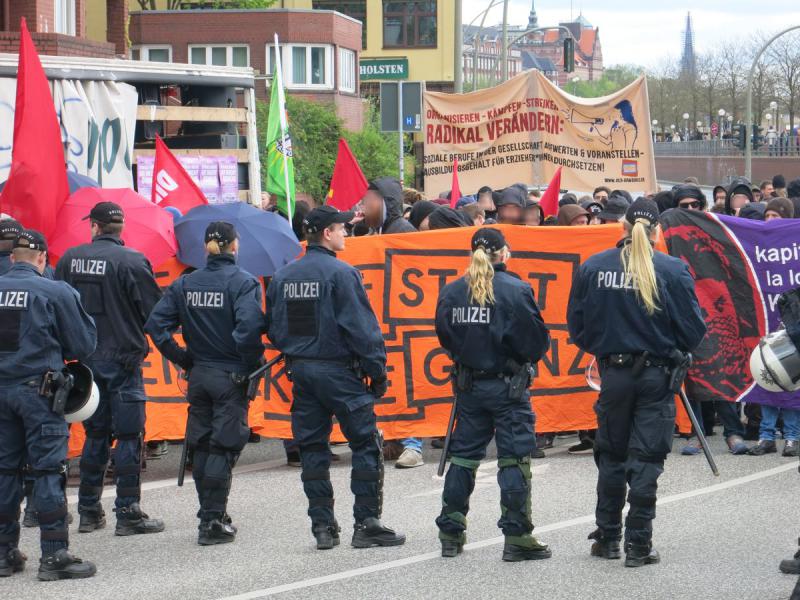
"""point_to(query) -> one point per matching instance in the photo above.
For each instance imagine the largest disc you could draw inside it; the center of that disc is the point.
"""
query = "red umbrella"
(148, 227)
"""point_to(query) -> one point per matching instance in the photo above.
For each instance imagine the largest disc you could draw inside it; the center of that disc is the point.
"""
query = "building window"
(64, 17)
(347, 70)
(152, 53)
(304, 66)
(356, 9)
(410, 24)
(221, 56)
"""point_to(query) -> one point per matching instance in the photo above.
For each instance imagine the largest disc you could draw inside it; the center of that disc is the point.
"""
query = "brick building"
(58, 27)
(319, 51)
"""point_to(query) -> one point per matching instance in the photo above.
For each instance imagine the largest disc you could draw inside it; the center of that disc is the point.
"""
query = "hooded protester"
(779, 185)
(779, 208)
(445, 217)
(689, 197)
(719, 193)
(420, 213)
(532, 214)
(793, 190)
(572, 214)
(664, 200)
(739, 193)
(511, 205)
(383, 207)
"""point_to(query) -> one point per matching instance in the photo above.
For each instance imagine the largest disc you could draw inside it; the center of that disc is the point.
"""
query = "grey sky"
(643, 32)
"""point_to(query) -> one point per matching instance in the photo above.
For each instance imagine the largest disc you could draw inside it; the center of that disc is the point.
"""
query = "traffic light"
(757, 138)
(569, 54)
(739, 132)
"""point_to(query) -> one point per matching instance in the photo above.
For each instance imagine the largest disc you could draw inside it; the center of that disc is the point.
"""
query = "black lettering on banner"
(574, 368)
(552, 364)
(428, 363)
(541, 293)
(419, 295)
(442, 274)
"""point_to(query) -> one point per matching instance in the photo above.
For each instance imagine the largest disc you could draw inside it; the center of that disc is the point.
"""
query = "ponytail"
(637, 260)
(480, 274)
(213, 248)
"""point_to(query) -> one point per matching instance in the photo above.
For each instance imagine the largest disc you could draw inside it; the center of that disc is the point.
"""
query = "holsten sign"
(383, 68)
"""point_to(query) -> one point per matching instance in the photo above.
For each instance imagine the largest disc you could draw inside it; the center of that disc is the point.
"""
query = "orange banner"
(403, 275)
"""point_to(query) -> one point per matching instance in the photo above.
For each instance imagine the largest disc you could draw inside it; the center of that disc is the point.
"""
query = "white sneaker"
(409, 459)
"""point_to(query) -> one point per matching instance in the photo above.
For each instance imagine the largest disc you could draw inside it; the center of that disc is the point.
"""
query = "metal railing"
(725, 147)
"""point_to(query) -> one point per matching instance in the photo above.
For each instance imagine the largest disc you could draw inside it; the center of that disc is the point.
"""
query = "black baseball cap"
(106, 213)
(491, 239)
(221, 232)
(325, 216)
(642, 208)
(31, 240)
(9, 230)
(615, 209)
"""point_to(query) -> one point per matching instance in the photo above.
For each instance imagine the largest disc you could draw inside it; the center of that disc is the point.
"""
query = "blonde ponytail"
(213, 248)
(637, 260)
(480, 274)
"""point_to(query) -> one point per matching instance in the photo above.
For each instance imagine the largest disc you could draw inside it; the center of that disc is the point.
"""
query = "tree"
(709, 77)
(733, 77)
(784, 53)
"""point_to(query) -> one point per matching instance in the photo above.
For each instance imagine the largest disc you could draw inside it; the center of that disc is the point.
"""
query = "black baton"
(446, 447)
(699, 431)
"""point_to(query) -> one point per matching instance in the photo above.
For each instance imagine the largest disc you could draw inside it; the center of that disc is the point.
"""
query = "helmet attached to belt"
(84, 396)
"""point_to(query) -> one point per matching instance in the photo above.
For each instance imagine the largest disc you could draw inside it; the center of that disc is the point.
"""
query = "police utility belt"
(348, 363)
(677, 365)
(55, 386)
(518, 376)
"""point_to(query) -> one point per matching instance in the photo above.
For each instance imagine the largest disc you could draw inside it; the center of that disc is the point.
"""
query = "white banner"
(98, 121)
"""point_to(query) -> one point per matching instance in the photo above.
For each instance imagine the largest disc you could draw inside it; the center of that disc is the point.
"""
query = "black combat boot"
(452, 547)
(63, 565)
(327, 535)
(216, 531)
(791, 566)
(12, 562)
(31, 517)
(524, 547)
(92, 517)
(131, 521)
(370, 532)
(637, 555)
(604, 547)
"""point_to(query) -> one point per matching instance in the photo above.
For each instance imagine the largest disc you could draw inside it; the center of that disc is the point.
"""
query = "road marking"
(418, 558)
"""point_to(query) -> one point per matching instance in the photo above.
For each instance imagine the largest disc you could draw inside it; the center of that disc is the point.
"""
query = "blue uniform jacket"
(5, 262)
(219, 310)
(317, 308)
(42, 323)
(484, 338)
(605, 316)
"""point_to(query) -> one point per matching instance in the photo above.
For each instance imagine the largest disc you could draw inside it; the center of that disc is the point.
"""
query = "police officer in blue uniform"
(9, 230)
(118, 289)
(633, 309)
(319, 316)
(219, 310)
(42, 323)
(489, 323)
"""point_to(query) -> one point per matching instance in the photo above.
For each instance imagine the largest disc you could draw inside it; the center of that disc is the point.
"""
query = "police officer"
(219, 310)
(41, 324)
(9, 230)
(319, 316)
(118, 289)
(490, 325)
(633, 308)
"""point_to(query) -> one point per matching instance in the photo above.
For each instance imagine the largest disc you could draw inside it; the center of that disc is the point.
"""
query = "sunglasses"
(694, 204)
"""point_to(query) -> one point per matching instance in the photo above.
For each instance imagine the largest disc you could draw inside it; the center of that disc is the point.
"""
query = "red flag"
(172, 185)
(348, 183)
(37, 182)
(549, 201)
(455, 189)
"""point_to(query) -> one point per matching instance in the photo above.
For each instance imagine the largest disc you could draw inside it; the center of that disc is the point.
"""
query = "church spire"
(533, 20)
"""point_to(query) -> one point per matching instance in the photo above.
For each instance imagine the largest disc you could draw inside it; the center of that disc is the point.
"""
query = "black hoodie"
(392, 192)
(738, 185)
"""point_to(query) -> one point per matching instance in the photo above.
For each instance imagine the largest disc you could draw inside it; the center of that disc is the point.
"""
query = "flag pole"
(284, 126)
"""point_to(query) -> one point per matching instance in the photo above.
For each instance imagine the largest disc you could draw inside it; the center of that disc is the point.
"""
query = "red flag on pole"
(549, 201)
(37, 182)
(348, 184)
(455, 189)
(172, 185)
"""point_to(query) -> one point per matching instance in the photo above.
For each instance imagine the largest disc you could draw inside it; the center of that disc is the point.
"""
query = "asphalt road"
(720, 538)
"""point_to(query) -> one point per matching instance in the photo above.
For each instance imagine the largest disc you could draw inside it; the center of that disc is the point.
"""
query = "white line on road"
(410, 560)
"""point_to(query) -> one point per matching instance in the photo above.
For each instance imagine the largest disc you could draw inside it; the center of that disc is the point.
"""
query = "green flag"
(280, 163)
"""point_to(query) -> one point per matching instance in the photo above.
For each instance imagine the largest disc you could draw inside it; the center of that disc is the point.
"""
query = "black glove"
(378, 386)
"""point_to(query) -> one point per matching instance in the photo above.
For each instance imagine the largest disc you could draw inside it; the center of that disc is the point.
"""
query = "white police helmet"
(775, 363)
(593, 375)
(84, 395)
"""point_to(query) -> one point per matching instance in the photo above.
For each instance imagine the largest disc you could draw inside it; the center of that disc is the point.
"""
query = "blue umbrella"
(266, 240)
(75, 181)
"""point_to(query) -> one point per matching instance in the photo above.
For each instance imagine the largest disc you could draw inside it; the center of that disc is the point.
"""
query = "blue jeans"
(412, 443)
(769, 417)
(728, 413)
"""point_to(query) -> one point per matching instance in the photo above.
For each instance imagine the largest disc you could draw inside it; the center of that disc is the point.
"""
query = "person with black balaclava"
(383, 207)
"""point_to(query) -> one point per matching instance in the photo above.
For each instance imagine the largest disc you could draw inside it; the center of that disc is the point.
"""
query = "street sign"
(714, 128)
(411, 106)
(376, 69)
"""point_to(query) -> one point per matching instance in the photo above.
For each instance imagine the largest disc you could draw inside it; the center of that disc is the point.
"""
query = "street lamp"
(575, 81)
(655, 122)
(685, 126)
(774, 106)
(699, 126)
(721, 113)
